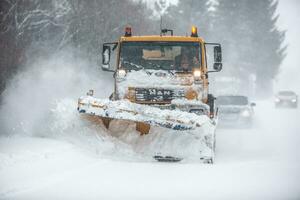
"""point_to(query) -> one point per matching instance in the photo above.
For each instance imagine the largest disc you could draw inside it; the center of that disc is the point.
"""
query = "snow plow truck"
(161, 81)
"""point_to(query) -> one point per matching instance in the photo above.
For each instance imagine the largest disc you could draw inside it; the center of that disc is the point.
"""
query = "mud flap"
(98, 120)
(142, 128)
(106, 121)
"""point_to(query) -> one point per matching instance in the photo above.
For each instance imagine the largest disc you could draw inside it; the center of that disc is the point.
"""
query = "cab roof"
(158, 38)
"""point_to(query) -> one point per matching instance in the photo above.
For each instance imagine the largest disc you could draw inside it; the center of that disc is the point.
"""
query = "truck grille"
(155, 95)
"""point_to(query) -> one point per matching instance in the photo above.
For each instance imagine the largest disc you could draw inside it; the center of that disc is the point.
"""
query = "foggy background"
(289, 19)
(50, 54)
(252, 33)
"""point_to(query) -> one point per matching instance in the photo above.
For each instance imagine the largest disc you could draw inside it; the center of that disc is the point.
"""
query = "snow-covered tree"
(268, 43)
(48, 26)
(251, 41)
(187, 13)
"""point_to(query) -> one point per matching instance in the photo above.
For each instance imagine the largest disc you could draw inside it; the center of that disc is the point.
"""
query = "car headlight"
(294, 100)
(277, 100)
(245, 113)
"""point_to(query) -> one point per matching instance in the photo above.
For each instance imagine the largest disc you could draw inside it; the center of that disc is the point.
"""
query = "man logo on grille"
(152, 91)
(166, 92)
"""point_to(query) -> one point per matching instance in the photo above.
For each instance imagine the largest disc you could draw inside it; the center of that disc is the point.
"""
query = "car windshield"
(286, 93)
(179, 56)
(232, 100)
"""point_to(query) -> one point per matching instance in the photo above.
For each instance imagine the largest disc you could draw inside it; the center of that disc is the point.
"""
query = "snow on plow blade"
(125, 110)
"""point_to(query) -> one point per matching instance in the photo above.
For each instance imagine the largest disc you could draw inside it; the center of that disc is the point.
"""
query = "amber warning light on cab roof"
(128, 32)
(194, 32)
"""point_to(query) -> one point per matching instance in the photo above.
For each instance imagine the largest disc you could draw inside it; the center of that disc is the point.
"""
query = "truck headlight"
(121, 73)
(197, 74)
(277, 100)
(294, 100)
(245, 113)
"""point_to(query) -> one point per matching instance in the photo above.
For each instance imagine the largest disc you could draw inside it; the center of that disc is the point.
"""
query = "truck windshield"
(232, 100)
(179, 56)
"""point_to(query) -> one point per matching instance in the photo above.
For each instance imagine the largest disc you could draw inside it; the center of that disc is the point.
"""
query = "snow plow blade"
(186, 136)
(125, 110)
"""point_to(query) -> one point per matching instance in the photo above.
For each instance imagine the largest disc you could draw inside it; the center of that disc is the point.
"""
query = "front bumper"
(286, 103)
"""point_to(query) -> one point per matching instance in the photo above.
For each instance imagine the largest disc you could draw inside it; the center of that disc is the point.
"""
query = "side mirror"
(106, 51)
(217, 54)
(216, 63)
(217, 66)
(253, 104)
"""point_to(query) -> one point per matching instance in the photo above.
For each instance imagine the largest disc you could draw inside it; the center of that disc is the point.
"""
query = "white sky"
(289, 20)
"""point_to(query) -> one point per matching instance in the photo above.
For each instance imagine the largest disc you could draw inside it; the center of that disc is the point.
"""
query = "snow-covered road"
(261, 163)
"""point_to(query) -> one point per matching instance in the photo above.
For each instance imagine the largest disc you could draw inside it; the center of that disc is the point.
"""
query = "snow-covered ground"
(47, 152)
(261, 163)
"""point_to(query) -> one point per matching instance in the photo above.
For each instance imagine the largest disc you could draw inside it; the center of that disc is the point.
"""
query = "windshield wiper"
(157, 66)
(154, 65)
(135, 66)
